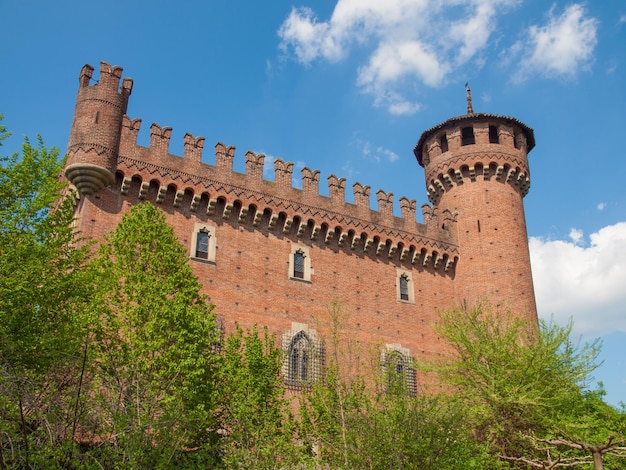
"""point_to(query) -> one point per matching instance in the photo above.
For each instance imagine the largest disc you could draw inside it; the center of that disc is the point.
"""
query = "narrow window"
(298, 264)
(443, 143)
(299, 359)
(493, 135)
(467, 136)
(404, 287)
(202, 244)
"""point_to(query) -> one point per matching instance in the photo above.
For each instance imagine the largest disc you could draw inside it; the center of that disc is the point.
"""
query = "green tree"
(349, 422)
(258, 426)
(153, 353)
(43, 285)
(526, 387)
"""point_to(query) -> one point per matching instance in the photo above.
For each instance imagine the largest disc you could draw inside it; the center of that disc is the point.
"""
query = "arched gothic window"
(398, 372)
(304, 357)
(300, 353)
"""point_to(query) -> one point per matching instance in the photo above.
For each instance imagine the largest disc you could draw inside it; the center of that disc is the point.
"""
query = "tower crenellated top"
(95, 136)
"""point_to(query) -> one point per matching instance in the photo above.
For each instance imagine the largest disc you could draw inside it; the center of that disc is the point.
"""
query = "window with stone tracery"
(304, 357)
(398, 371)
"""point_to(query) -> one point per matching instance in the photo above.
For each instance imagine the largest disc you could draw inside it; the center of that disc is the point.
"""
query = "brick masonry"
(472, 245)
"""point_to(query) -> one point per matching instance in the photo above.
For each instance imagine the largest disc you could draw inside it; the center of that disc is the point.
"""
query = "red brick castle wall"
(472, 244)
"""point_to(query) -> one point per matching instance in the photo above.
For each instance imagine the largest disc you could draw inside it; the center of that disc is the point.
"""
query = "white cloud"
(408, 41)
(587, 283)
(576, 236)
(376, 154)
(601, 206)
(561, 48)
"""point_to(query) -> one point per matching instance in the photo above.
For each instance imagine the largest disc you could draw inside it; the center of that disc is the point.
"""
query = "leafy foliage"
(153, 350)
(43, 287)
(525, 385)
(256, 418)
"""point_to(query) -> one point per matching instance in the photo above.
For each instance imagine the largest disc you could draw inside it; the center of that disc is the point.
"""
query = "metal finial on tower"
(470, 108)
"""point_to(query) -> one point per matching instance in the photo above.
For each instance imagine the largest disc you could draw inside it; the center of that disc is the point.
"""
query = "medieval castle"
(276, 256)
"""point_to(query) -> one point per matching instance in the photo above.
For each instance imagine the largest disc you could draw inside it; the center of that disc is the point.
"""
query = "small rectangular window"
(493, 135)
(404, 288)
(443, 143)
(298, 265)
(467, 136)
(202, 245)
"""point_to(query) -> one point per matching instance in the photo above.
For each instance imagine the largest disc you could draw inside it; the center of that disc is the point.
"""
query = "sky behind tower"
(348, 86)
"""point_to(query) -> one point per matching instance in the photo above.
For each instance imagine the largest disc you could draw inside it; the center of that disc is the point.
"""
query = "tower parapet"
(95, 136)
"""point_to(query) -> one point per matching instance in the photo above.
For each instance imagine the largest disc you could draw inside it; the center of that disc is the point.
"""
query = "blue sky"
(348, 86)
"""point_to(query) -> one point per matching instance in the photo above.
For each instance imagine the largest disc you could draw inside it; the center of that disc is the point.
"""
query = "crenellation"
(160, 139)
(310, 181)
(408, 209)
(385, 204)
(192, 147)
(84, 78)
(337, 189)
(361, 196)
(224, 157)
(254, 165)
(110, 76)
(130, 131)
(283, 173)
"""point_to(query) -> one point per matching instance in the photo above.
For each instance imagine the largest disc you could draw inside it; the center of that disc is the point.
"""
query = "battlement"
(190, 184)
(157, 154)
(110, 77)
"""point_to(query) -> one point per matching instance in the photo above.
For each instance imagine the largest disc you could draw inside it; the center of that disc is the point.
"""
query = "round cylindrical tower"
(477, 166)
(95, 136)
